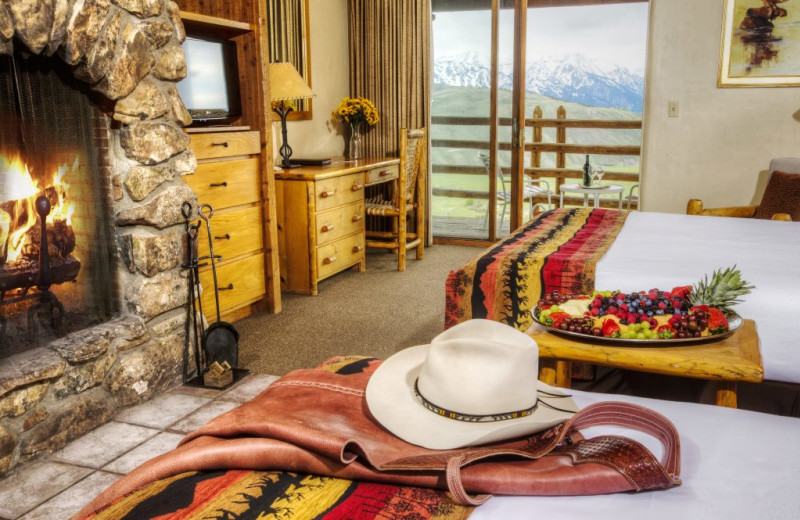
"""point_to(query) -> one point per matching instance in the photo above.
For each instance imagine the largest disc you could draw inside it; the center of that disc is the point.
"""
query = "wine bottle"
(587, 177)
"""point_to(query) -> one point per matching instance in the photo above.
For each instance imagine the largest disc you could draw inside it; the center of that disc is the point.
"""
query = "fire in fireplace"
(56, 259)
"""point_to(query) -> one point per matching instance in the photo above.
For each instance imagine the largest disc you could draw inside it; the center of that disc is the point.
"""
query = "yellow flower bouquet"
(356, 111)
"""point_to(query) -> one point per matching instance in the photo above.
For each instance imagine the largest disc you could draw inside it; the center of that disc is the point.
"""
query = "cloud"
(615, 33)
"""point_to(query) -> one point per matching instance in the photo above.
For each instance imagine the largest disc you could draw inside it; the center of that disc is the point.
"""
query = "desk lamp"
(286, 84)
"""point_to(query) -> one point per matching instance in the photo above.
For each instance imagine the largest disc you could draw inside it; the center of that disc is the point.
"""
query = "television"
(210, 89)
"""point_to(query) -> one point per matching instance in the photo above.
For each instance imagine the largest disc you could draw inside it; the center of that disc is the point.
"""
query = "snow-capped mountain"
(571, 77)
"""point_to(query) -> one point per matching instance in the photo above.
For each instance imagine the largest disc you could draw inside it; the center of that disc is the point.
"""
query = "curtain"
(390, 64)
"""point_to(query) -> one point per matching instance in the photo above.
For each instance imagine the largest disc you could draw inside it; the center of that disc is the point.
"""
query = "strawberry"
(666, 332)
(610, 328)
(717, 323)
(682, 291)
(557, 318)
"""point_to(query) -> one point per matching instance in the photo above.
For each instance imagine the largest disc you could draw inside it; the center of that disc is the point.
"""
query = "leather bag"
(316, 421)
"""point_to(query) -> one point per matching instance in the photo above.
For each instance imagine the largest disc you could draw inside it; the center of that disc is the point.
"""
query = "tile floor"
(58, 486)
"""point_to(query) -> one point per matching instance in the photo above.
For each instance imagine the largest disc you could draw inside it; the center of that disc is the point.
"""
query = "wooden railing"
(538, 147)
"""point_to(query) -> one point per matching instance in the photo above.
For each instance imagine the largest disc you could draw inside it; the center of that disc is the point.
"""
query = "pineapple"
(722, 292)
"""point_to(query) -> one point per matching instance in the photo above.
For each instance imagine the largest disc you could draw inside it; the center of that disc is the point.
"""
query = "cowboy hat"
(475, 383)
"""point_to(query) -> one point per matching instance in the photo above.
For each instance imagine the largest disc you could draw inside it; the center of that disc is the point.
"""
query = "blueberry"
(649, 314)
(640, 311)
(659, 312)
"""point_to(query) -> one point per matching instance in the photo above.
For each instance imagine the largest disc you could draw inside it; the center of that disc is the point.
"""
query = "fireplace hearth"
(104, 291)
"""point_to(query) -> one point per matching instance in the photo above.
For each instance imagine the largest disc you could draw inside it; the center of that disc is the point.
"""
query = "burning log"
(24, 273)
(5, 224)
(60, 240)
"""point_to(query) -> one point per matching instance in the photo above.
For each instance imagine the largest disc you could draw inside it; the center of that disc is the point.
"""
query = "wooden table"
(320, 212)
(733, 359)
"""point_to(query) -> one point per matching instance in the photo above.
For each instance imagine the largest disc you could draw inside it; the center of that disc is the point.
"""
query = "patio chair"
(632, 198)
(531, 189)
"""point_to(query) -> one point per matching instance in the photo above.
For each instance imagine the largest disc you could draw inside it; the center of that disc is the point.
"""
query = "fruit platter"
(685, 314)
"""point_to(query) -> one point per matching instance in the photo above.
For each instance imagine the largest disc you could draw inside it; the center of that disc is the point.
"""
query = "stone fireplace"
(128, 53)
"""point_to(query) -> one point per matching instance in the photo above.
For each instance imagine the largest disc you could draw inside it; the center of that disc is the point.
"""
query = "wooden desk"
(321, 218)
(736, 358)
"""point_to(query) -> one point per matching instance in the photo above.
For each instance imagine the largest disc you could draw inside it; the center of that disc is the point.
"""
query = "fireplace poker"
(192, 265)
(220, 339)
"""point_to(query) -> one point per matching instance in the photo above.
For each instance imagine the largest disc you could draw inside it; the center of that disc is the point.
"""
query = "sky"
(615, 33)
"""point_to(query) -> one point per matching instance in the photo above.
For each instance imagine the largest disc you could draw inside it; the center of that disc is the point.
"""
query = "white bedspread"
(659, 250)
(735, 465)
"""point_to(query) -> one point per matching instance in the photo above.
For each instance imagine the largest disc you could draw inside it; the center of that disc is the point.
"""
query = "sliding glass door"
(509, 78)
(473, 46)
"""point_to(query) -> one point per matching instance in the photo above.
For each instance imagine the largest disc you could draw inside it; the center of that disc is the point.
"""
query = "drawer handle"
(327, 227)
(357, 249)
(326, 194)
(228, 288)
(357, 187)
(226, 236)
(356, 218)
(329, 260)
(223, 144)
(219, 184)
(385, 173)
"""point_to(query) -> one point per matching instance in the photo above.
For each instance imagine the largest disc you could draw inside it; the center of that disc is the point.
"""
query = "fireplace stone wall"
(129, 51)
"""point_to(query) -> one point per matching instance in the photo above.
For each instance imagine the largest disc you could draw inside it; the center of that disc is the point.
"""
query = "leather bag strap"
(599, 414)
(635, 417)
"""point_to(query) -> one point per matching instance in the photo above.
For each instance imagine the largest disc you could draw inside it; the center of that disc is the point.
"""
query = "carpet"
(375, 313)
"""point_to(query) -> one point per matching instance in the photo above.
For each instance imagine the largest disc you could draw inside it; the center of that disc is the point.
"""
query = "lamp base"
(289, 167)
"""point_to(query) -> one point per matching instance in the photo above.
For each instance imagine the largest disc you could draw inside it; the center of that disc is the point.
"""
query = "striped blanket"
(558, 250)
(236, 494)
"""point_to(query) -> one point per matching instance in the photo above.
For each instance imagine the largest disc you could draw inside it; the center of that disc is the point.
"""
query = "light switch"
(672, 108)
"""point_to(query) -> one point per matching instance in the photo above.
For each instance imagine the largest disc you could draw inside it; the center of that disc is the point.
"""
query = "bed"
(734, 464)
(641, 251)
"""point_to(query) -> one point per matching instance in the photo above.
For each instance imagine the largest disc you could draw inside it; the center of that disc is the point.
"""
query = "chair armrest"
(541, 181)
(695, 207)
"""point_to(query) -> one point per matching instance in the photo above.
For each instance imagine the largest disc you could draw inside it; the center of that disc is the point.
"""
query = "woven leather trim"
(628, 457)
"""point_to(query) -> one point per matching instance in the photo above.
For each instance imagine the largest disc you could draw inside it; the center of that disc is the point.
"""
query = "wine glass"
(597, 174)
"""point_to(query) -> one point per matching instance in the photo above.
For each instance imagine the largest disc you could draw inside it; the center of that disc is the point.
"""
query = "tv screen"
(210, 90)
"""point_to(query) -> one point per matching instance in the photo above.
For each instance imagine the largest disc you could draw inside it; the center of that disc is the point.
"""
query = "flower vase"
(354, 152)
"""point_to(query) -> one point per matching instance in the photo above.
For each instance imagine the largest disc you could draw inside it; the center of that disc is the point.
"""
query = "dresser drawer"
(226, 183)
(339, 222)
(383, 174)
(234, 233)
(241, 282)
(337, 191)
(339, 255)
(225, 144)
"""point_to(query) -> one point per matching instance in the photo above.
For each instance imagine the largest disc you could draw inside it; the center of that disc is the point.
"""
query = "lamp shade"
(286, 83)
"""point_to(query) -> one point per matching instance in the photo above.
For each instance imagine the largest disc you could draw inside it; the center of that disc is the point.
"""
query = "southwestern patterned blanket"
(558, 250)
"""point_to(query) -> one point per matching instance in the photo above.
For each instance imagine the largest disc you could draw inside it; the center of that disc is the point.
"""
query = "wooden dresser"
(321, 219)
(228, 179)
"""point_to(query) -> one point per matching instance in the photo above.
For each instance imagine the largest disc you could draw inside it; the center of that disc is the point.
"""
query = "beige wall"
(330, 66)
(719, 147)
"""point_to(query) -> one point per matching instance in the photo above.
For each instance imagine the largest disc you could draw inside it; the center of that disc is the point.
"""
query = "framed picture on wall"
(760, 44)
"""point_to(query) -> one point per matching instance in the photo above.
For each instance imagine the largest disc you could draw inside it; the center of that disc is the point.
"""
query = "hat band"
(458, 416)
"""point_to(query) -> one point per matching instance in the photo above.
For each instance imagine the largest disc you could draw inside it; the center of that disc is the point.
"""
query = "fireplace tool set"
(48, 308)
(216, 347)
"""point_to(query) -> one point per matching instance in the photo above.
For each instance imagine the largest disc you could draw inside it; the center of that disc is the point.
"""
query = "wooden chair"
(408, 196)
(781, 198)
